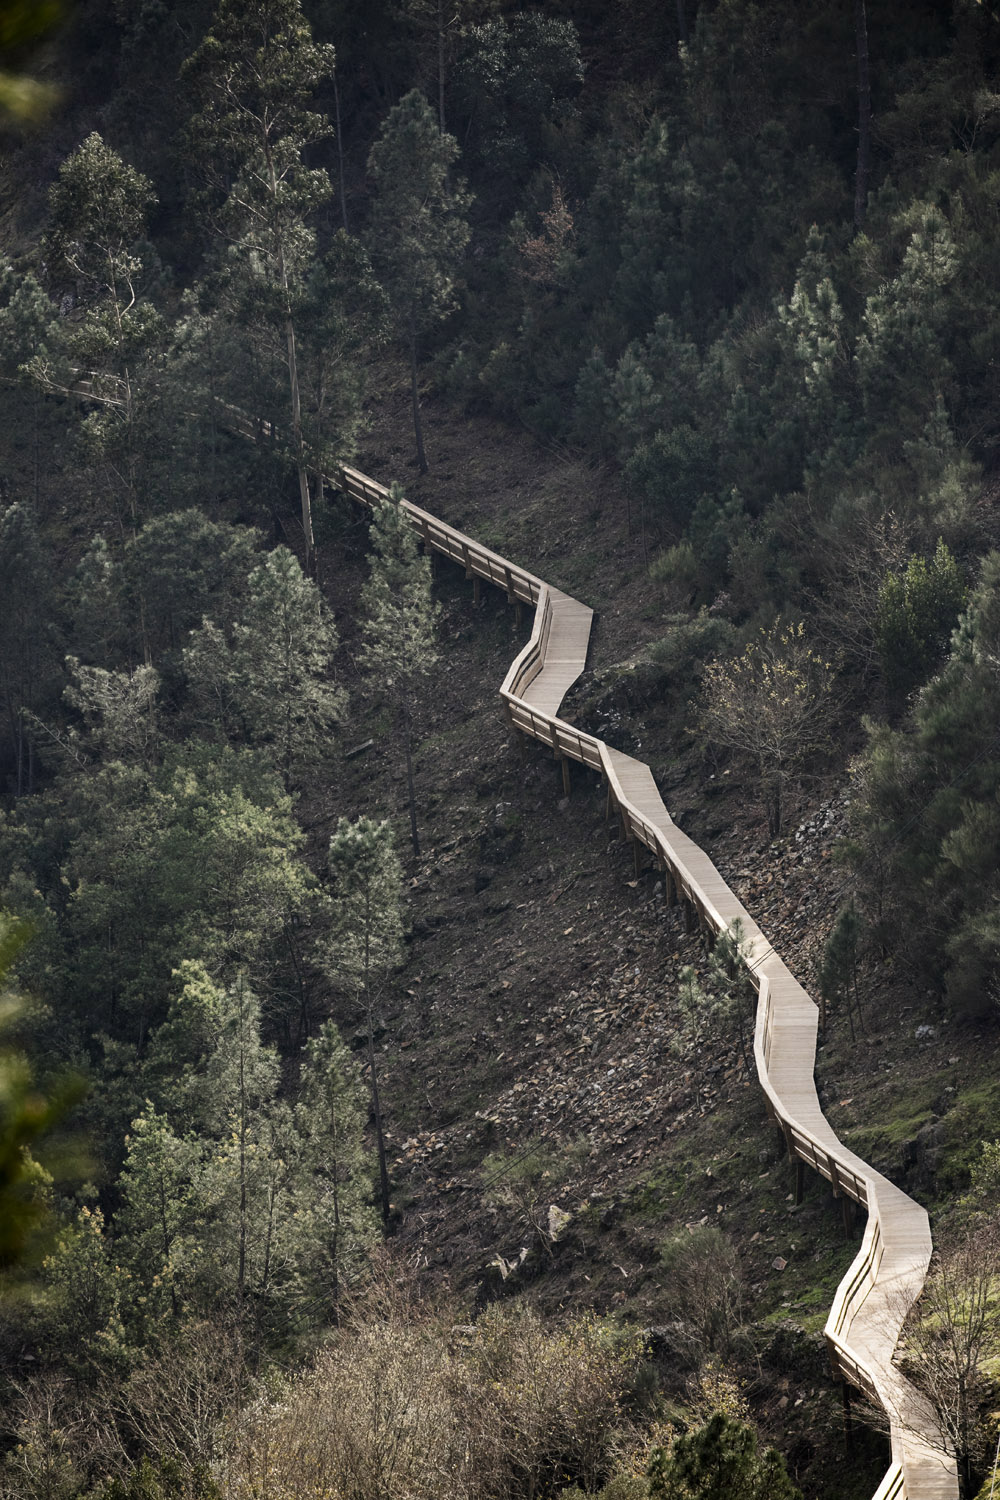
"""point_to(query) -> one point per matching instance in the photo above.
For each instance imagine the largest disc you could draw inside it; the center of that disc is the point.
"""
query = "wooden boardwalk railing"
(887, 1274)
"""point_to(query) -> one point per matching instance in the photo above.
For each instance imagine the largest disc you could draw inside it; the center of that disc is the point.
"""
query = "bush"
(691, 641)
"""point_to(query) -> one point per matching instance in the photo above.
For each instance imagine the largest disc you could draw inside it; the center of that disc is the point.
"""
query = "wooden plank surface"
(888, 1273)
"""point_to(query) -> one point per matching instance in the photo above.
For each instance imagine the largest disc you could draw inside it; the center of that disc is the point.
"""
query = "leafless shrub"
(703, 1291)
(952, 1339)
(396, 1408)
(546, 1405)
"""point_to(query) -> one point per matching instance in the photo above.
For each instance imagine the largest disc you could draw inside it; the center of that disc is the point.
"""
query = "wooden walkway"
(887, 1274)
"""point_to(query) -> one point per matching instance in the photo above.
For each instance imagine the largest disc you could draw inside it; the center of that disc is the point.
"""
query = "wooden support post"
(476, 593)
(690, 919)
(800, 1179)
(468, 562)
(623, 838)
(565, 775)
(847, 1209)
(845, 1396)
(609, 804)
(509, 582)
(669, 886)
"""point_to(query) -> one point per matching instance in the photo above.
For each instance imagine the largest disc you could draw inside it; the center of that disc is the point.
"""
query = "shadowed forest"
(699, 304)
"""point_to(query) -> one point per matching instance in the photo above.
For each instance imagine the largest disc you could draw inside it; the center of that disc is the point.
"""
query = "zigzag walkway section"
(888, 1272)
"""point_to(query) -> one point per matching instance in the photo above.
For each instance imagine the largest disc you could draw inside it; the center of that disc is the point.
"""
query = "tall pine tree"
(399, 622)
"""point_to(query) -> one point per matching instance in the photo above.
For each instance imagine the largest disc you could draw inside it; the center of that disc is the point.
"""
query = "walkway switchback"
(887, 1274)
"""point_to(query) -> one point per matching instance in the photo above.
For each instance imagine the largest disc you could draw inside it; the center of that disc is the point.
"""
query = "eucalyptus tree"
(418, 229)
(366, 936)
(252, 77)
(399, 623)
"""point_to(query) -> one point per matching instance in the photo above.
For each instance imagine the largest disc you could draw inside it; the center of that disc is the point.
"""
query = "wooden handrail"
(887, 1275)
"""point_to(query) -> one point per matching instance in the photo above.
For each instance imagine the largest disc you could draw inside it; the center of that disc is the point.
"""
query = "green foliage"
(27, 1115)
(716, 1462)
(689, 642)
(514, 80)
(268, 681)
(719, 997)
(366, 936)
(27, 660)
(333, 1193)
(179, 568)
(917, 611)
(164, 1479)
(838, 970)
(85, 1293)
(400, 615)
(253, 76)
(366, 928)
(98, 210)
(925, 814)
(400, 621)
(196, 858)
(231, 1198)
(417, 230)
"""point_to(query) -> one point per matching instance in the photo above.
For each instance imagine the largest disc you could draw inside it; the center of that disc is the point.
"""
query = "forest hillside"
(371, 1122)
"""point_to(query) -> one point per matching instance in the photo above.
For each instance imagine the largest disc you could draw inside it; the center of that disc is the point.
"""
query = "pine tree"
(269, 679)
(332, 1193)
(399, 621)
(926, 814)
(718, 1462)
(838, 972)
(253, 76)
(98, 211)
(417, 230)
(366, 936)
(161, 1222)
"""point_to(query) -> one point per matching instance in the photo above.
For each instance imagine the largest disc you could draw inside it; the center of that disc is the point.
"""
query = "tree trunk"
(304, 497)
(383, 1171)
(440, 42)
(410, 792)
(242, 1265)
(864, 165)
(418, 431)
(340, 152)
(293, 381)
